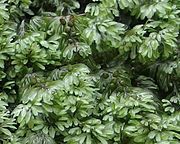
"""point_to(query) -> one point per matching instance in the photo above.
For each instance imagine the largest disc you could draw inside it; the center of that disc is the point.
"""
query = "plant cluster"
(89, 72)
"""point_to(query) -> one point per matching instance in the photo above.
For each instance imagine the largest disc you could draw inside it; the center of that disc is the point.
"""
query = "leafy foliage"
(89, 72)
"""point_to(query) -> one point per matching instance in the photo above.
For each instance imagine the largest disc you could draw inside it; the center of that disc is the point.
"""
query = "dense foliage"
(89, 72)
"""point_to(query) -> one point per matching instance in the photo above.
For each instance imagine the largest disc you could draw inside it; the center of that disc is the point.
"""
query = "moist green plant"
(89, 72)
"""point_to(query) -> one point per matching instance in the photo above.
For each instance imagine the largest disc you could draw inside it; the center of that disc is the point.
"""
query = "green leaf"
(88, 139)
(38, 127)
(5, 131)
(52, 132)
(102, 140)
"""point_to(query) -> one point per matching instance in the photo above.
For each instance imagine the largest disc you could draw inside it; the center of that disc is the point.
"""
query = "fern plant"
(89, 72)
